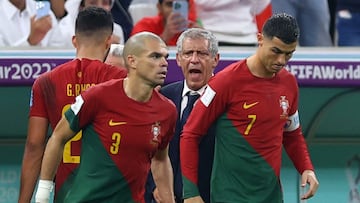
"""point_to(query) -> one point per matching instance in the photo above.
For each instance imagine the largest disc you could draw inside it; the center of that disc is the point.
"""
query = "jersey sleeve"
(294, 141)
(37, 103)
(171, 126)
(208, 108)
(296, 148)
(82, 110)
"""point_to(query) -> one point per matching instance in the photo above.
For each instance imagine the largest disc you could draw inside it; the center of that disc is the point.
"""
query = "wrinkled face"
(151, 65)
(105, 4)
(165, 8)
(196, 62)
(274, 53)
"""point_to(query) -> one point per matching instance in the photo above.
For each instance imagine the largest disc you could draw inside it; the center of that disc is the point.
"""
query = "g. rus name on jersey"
(76, 89)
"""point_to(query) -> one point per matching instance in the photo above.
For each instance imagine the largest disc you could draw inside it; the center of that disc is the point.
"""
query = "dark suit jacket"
(206, 152)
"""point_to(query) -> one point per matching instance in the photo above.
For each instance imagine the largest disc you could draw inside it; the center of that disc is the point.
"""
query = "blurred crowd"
(234, 22)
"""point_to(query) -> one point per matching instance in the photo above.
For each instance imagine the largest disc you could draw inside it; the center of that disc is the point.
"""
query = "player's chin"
(159, 81)
(276, 69)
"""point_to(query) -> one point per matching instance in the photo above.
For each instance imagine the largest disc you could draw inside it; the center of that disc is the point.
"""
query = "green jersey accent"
(97, 179)
(190, 190)
(237, 165)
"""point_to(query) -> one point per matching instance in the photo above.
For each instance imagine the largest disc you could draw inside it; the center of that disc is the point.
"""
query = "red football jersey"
(120, 137)
(53, 93)
(254, 118)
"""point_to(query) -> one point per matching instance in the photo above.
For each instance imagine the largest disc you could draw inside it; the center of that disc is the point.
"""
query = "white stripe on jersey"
(292, 123)
(208, 96)
(75, 107)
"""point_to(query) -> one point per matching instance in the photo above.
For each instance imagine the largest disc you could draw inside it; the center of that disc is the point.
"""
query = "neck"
(257, 68)
(91, 53)
(137, 90)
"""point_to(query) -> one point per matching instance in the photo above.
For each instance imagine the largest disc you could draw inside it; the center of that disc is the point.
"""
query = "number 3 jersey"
(119, 138)
(254, 118)
(53, 93)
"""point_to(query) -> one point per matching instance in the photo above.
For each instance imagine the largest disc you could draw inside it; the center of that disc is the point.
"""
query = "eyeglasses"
(201, 54)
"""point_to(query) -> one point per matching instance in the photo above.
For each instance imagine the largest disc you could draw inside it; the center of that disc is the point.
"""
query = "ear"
(216, 60)
(159, 8)
(260, 38)
(108, 42)
(131, 60)
(178, 59)
(74, 42)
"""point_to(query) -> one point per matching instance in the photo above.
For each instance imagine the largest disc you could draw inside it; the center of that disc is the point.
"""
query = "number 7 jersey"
(254, 118)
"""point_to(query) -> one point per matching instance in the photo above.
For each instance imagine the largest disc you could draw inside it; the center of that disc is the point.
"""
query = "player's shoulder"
(112, 83)
(62, 69)
(118, 72)
(103, 91)
(108, 71)
(284, 74)
(233, 69)
(230, 74)
(163, 101)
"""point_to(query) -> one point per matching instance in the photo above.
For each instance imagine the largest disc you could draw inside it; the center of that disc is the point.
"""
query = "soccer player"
(53, 92)
(254, 105)
(126, 127)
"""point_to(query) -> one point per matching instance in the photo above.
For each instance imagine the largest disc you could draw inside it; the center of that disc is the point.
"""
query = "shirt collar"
(186, 89)
(11, 10)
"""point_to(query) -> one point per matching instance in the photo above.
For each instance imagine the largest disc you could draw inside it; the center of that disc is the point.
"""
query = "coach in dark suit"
(197, 55)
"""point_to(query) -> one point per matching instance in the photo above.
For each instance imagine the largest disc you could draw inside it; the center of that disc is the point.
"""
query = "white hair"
(116, 49)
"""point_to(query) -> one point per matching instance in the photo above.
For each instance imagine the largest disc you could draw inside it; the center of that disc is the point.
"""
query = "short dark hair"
(282, 26)
(92, 20)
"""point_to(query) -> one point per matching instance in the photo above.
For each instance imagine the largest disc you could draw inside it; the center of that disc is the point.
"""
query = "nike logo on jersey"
(113, 123)
(248, 106)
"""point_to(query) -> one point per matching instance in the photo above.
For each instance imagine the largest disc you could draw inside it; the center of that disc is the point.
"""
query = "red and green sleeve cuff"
(190, 189)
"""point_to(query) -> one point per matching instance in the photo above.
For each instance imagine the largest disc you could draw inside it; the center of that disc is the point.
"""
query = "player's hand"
(38, 29)
(196, 199)
(309, 177)
(156, 195)
(43, 191)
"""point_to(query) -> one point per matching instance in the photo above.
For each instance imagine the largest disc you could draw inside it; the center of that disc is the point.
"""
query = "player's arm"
(196, 199)
(296, 148)
(33, 154)
(208, 108)
(163, 175)
(52, 157)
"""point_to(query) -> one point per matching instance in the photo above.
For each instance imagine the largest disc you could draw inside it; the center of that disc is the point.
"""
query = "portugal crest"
(284, 104)
(155, 129)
